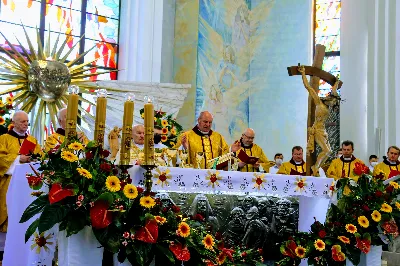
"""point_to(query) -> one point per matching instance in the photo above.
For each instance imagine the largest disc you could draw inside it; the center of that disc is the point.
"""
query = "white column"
(140, 40)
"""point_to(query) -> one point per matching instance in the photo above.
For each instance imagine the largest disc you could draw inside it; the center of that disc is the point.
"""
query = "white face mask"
(374, 164)
(278, 161)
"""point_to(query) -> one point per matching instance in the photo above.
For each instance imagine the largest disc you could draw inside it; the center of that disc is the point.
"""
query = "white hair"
(60, 111)
(18, 113)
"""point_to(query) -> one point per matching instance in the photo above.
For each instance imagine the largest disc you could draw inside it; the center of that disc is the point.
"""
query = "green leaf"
(31, 229)
(63, 225)
(51, 215)
(35, 207)
(75, 223)
(166, 252)
(107, 196)
(91, 189)
(108, 237)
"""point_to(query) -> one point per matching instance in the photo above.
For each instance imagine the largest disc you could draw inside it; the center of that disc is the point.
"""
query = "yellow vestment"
(291, 168)
(256, 151)
(212, 145)
(57, 139)
(10, 144)
(343, 168)
(386, 168)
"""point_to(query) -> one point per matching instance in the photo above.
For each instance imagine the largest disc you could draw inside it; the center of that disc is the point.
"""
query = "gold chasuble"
(10, 144)
(340, 167)
(58, 138)
(255, 151)
(291, 168)
(387, 169)
(211, 144)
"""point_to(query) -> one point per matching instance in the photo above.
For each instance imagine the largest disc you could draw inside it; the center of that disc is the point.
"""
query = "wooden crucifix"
(316, 105)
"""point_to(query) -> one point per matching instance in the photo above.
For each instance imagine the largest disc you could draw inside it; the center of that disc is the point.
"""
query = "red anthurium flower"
(363, 244)
(99, 214)
(34, 182)
(180, 252)
(57, 193)
(359, 168)
(149, 232)
(322, 233)
(390, 227)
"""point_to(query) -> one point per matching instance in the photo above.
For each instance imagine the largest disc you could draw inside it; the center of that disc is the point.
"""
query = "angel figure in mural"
(241, 27)
(317, 133)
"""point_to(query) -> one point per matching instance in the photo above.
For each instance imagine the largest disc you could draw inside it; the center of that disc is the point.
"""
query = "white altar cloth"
(16, 251)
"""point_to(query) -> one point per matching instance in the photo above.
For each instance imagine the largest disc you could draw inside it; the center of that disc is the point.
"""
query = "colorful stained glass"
(73, 4)
(71, 42)
(101, 28)
(328, 10)
(12, 30)
(331, 64)
(19, 11)
(332, 43)
(106, 8)
(63, 19)
(105, 52)
(327, 27)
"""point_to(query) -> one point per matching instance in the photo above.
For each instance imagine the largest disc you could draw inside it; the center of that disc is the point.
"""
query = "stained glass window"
(97, 20)
(327, 32)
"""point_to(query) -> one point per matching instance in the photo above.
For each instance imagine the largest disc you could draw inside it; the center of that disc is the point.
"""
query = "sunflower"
(376, 216)
(164, 123)
(130, 191)
(300, 252)
(398, 205)
(208, 242)
(69, 156)
(1, 103)
(363, 221)
(84, 172)
(160, 220)
(164, 138)
(173, 131)
(221, 258)
(319, 245)
(183, 229)
(147, 202)
(9, 100)
(394, 185)
(344, 239)
(113, 184)
(2, 120)
(76, 146)
(164, 131)
(351, 228)
(386, 208)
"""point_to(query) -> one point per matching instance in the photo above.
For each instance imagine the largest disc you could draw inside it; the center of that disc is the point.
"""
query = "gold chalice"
(199, 159)
(183, 156)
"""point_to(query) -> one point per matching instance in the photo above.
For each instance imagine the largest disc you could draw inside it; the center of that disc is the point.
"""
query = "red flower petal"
(181, 253)
(149, 232)
(57, 193)
(99, 215)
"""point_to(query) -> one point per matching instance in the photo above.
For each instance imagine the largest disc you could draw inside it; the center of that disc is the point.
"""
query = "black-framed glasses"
(247, 136)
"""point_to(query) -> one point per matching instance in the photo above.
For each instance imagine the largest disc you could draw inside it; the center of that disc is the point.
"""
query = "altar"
(226, 192)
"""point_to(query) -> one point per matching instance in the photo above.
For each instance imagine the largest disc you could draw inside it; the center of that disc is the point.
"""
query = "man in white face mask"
(278, 158)
(373, 161)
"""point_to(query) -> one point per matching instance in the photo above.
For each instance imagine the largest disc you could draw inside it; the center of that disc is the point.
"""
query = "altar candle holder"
(149, 164)
(125, 152)
(100, 124)
(72, 112)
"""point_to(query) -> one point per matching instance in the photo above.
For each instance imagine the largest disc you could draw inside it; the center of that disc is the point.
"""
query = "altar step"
(392, 258)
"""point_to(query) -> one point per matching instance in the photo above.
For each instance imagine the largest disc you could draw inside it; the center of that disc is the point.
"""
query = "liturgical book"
(27, 147)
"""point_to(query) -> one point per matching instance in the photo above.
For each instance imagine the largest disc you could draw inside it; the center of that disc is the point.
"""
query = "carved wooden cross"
(316, 73)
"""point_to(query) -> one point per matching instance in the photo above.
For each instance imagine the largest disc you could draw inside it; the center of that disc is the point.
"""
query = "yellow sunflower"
(2, 120)
(160, 220)
(386, 207)
(344, 239)
(164, 131)
(76, 146)
(351, 228)
(398, 205)
(300, 252)
(173, 131)
(9, 100)
(363, 221)
(1, 103)
(130, 191)
(183, 230)
(69, 156)
(376, 216)
(113, 184)
(164, 138)
(84, 172)
(319, 245)
(394, 185)
(208, 242)
(147, 202)
(164, 123)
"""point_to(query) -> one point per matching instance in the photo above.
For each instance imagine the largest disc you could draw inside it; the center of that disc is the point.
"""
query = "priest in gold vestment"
(250, 148)
(10, 144)
(203, 142)
(296, 165)
(390, 166)
(344, 166)
(58, 137)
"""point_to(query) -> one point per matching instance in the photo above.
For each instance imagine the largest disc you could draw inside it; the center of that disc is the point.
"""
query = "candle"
(125, 153)
(148, 132)
(100, 123)
(72, 112)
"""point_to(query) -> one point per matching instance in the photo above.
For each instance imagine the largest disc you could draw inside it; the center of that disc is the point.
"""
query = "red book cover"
(246, 158)
(27, 147)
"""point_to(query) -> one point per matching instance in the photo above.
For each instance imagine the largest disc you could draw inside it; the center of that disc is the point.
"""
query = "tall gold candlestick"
(125, 153)
(100, 124)
(148, 132)
(72, 112)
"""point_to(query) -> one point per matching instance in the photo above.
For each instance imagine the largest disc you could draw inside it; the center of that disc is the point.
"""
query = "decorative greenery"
(5, 114)
(170, 128)
(86, 189)
(363, 216)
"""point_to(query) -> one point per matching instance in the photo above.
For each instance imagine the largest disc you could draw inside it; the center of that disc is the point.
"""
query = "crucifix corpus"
(318, 108)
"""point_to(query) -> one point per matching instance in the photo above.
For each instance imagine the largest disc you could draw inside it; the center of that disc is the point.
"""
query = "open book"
(242, 155)
(27, 147)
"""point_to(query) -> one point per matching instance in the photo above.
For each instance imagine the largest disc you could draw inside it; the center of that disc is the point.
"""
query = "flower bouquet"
(364, 216)
(5, 114)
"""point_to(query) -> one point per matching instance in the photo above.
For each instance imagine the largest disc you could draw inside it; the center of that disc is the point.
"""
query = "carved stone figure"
(235, 228)
(255, 230)
(165, 199)
(202, 206)
(283, 220)
(248, 202)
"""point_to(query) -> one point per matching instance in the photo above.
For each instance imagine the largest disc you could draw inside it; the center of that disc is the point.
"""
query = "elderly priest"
(201, 141)
(16, 146)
